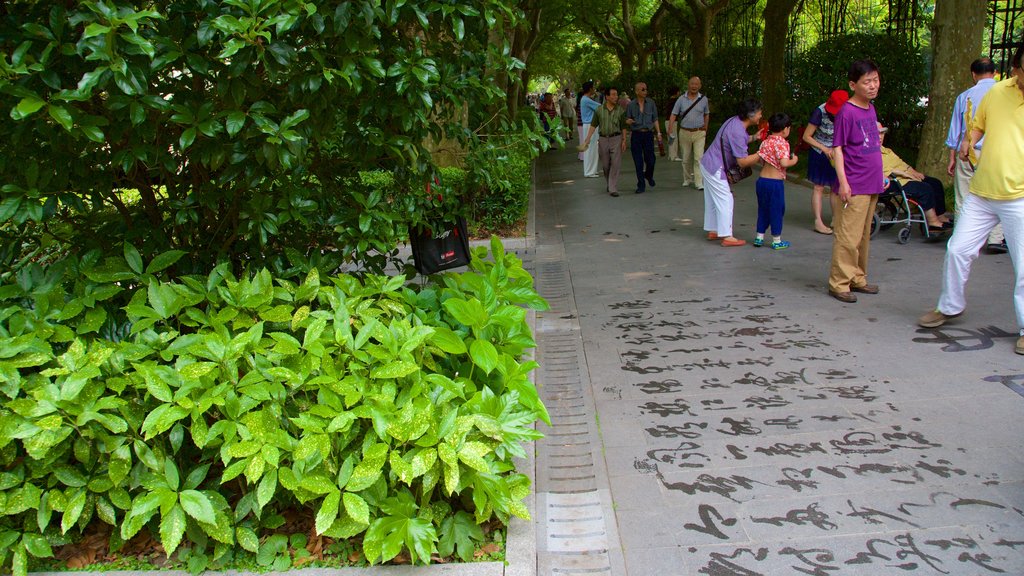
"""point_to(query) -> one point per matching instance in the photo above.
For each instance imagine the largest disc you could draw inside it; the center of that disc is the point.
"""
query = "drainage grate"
(576, 531)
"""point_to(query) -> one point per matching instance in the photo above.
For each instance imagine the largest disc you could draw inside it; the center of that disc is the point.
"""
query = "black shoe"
(616, 194)
(997, 248)
(640, 190)
(650, 181)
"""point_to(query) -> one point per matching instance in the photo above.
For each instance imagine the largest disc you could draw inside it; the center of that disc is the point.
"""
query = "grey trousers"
(610, 151)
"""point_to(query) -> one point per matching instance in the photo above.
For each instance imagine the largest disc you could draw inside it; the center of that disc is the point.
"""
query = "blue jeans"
(641, 145)
(771, 205)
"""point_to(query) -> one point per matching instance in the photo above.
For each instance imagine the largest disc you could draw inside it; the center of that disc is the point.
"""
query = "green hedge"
(203, 408)
(498, 197)
(814, 74)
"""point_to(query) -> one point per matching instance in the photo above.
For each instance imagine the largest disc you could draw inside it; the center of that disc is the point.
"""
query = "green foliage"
(204, 407)
(659, 79)
(240, 124)
(729, 76)
(498, 197)
(815, 73)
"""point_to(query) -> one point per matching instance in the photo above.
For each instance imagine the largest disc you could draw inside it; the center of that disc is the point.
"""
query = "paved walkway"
(715, 412)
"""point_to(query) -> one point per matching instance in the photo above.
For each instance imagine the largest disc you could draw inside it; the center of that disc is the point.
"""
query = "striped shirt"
(963, 113)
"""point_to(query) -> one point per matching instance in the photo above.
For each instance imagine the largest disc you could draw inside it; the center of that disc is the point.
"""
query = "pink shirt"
(773, 150)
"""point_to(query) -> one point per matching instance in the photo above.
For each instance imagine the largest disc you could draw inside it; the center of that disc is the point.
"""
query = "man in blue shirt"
(982, 71)
(642, 117)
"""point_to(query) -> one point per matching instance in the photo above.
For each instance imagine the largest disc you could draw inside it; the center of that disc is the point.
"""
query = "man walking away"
(642, 117)
(983, 71)
(692, 113)
(996, 196)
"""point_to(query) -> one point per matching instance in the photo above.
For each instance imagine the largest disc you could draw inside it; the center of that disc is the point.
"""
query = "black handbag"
(440, 246)
(733, 172)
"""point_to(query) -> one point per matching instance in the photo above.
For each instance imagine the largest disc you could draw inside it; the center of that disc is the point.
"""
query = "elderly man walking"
(692, 113)
(996, 196)
(642, 117)
(983, 71)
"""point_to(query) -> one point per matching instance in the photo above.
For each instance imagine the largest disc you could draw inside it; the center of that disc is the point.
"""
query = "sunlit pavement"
(716, 412)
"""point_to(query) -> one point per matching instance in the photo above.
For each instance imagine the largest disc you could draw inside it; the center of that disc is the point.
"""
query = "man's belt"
(611, 135)
(642, 130)
(692, 129)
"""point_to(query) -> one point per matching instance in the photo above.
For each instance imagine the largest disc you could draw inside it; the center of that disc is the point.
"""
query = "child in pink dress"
(771, 197)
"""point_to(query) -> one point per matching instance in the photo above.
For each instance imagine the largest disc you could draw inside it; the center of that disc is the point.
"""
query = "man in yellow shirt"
(996, 197)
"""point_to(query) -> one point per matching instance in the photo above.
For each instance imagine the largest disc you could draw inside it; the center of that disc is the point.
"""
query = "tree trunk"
(957, 33)
(704, 12)
(773, 55)
(700, 37)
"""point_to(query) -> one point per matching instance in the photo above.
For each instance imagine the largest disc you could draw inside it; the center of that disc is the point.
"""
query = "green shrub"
(728, 85)
(816, 73)
(204, 407)
(659, 80)
(238, 124)
(499, 184)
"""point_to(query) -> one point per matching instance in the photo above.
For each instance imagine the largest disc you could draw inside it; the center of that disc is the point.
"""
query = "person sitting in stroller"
(927, 191)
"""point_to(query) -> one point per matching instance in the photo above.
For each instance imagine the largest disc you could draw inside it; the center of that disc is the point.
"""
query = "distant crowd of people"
(847, 158)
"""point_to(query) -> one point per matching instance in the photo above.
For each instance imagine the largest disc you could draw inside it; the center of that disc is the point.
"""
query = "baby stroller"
(894, 208)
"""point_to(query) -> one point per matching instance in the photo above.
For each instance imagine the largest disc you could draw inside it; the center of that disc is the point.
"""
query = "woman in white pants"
(727, 149)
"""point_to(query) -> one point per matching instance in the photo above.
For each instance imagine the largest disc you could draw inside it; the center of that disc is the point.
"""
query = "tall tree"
(957, 33)
(773, 55)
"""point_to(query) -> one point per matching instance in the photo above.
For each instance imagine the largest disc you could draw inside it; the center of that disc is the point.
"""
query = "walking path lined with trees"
(187, 373)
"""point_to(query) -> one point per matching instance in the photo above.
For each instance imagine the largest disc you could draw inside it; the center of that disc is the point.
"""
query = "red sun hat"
(836, 101)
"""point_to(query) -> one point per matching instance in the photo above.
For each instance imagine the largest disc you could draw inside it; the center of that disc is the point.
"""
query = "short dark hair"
(747, 108)
(861, 68)
(1018, 55)
(673, 90)
(587, 87)
(779, 122)
(983, 65)
(608, 90)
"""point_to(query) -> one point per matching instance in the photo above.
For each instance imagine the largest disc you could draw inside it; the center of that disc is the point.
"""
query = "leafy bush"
(816, 73)
(729, 76)
(659, 80)
(237, 124)
(497, 196)
(207, 406)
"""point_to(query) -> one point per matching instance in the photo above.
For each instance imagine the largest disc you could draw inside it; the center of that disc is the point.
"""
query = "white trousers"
(962, 174)
(718, 203)
(590, 158)
(977, 218)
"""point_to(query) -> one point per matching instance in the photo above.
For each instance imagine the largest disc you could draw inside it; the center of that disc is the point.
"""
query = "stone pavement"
(715, 412)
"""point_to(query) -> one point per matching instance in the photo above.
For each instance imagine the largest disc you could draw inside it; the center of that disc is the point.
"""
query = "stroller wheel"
(904, 235)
